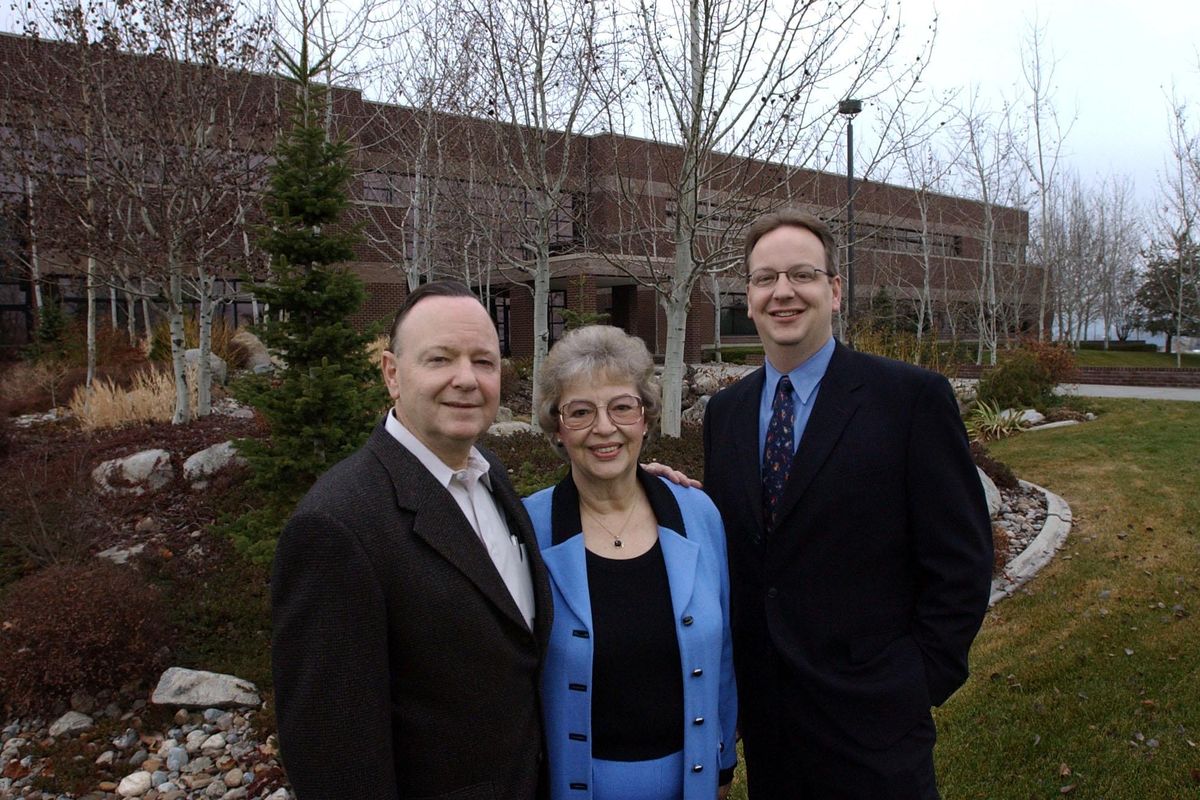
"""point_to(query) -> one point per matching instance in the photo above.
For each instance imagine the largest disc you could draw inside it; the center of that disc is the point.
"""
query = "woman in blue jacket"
(637, 687)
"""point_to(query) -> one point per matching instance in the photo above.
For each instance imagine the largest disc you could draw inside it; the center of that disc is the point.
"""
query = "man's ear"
(390, 367)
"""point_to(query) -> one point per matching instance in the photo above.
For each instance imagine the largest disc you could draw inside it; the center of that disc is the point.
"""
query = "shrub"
(1020, 381)
(149, 398)
(50, 336)
(987, 422)
(221, 343)
(1054, 357)
(49, 510)
(928, 352)
(69, 628)
(1000, 473)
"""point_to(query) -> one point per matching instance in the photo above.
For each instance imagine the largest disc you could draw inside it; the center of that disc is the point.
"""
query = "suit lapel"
(441, 524)
(745, 440)
(837, 401)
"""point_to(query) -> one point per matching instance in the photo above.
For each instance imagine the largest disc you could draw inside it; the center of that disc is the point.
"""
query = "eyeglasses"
(579, 414)
(797, 276)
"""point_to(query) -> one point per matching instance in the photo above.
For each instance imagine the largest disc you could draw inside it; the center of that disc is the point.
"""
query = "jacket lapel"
(567, 562)
(836, 403)
(440, 523)
(681, 556)
(745, 440)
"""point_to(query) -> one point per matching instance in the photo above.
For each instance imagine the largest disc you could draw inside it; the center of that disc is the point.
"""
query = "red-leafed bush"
(66, 628)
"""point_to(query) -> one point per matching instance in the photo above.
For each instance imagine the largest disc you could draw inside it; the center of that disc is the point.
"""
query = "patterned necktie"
(777, 454)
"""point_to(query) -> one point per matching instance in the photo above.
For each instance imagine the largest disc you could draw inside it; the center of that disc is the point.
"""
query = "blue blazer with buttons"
(693, 545)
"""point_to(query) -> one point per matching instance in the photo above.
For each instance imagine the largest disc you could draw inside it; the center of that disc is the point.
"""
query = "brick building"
(438, 195)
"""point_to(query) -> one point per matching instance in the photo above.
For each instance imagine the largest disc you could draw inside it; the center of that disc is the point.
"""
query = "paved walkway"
(1139, 392)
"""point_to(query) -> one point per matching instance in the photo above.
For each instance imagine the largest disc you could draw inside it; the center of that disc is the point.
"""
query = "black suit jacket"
(876, 579)
(402, 665)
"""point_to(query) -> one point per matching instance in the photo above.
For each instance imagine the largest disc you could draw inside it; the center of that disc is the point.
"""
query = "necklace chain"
(616, 537)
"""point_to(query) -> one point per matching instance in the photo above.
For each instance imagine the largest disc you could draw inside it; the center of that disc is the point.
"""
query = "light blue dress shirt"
(806, 380)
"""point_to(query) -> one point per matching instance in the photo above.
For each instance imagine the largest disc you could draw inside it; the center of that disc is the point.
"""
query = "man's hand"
(723, 791)
(673, 475)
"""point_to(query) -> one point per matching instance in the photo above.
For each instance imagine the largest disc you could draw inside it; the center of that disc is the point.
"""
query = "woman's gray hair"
(597, 353)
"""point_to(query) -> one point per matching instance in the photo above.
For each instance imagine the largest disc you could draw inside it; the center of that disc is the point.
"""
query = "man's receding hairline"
(397, 338)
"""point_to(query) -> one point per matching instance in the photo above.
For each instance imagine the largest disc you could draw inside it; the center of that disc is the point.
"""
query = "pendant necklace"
(616, 537)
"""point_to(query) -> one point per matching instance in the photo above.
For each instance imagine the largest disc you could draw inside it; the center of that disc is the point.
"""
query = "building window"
(557, 302)
(734, 321)
(501, 311)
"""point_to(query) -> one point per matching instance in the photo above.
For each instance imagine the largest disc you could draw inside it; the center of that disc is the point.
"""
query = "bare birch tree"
(733, 88)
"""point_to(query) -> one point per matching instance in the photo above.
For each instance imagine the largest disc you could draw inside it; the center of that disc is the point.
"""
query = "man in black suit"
(410, 606)
(859, 542)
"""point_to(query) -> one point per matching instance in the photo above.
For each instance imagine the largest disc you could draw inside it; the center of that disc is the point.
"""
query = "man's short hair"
(442, 288)
(791, 217)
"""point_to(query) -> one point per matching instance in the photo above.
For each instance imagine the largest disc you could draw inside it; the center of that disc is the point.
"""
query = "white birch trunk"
(149, 328)
(130, 315)
(204, 367)
(676, 307)
(182, 412)
(541, 327)
(35, 269)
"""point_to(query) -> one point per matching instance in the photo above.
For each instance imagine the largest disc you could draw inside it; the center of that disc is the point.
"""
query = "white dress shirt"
(471, 488)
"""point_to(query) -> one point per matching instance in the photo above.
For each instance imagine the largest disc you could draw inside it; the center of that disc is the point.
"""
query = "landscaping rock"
(70, 723)
(147, 471)
(1032, 417)
(258, 358)
(990, 492)
(220, 372)
(695, 414)
(121, 555)
(509, 428)
(504, 414)
(199, 467)
(200, 689)
(135, 785)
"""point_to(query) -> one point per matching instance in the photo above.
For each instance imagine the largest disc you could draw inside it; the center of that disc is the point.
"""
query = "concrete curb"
(1040, 550)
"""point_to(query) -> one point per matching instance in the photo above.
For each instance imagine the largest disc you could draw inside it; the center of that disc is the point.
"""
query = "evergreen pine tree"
(322, 403)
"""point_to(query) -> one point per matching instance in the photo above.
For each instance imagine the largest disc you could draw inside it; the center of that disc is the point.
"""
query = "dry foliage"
(30, 385)
(68, 628)
(150, 397)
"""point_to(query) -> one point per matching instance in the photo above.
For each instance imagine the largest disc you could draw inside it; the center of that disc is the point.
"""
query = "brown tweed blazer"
(402, 666)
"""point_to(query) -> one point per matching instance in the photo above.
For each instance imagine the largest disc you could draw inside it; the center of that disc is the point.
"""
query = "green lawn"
(1091, 677)
(1117, 358)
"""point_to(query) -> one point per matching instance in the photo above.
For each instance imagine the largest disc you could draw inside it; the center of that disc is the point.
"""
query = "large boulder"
(147, 471)
(193, 688)
(258, 358)
(1032, 416)
(217, 364)
(990, 492)
(695, 414)
(201, 466)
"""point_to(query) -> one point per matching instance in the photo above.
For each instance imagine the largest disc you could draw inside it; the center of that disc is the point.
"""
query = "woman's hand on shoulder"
(673, 475)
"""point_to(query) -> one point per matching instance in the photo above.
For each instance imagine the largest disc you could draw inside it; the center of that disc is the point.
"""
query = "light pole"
(850, 109)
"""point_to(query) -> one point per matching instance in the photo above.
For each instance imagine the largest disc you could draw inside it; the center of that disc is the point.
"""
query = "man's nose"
(464, 374)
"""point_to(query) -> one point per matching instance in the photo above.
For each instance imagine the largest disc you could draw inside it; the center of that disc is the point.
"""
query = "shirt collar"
(806, 377)
(477, 466)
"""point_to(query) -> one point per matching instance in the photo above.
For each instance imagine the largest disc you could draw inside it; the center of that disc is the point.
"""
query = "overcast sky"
(1115, 65)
